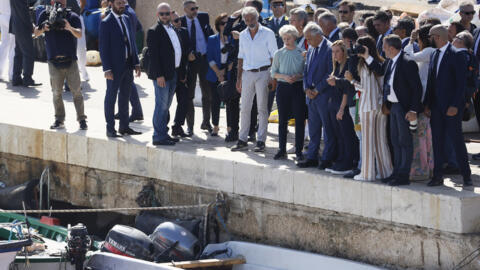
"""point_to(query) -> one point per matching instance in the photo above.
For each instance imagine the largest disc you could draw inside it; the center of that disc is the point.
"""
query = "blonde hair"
(342, 46)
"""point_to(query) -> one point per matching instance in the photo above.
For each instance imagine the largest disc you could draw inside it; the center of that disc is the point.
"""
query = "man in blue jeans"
(167, 62)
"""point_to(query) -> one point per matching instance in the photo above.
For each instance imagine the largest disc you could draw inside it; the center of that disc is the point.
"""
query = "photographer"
(62, 28)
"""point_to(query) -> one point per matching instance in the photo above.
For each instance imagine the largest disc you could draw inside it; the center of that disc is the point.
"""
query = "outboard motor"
(173, 242)
(78, 243)
(127, 241)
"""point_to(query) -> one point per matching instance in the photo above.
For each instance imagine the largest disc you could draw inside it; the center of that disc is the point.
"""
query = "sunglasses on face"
(468, 12)
(194, 8)
(222, 23)
(164, 14)
(343, 11)
(177, 20)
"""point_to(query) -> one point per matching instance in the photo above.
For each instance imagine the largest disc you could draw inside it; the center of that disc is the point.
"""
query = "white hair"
(162, 5)
(327, 16)
(249, 11)
(313, 29)
(288, 30)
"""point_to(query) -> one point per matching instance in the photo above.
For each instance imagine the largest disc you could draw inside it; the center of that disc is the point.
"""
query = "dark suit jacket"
(406, 82)
(476, 34)
(162, 54)
(321, 68)
(336, 35)
(214, 53)
(448, 87)
(112, 46)
(270, 23)
(204, 21)
(20, 21)
(240, 26)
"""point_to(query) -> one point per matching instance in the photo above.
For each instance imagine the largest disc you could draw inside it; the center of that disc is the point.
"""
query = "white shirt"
(259, 51)
(442, 52)
(423, 60)
(5, 11)
(118, 18)
(200, 37)
(392, 97)
(223, 56)
(175, 43)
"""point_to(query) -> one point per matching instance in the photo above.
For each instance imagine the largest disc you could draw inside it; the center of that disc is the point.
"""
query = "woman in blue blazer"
(218, 50)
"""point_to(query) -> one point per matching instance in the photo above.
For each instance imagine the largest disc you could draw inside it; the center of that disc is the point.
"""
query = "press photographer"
(62, 28)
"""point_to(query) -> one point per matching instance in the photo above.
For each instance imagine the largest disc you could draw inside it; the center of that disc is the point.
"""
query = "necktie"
(125, 37)
(193, 35)
(435, 63)
(387, 78)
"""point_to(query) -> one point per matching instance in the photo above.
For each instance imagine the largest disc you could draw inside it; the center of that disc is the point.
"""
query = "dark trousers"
(347, 141)
(315, 126)
(402, 142)
(184, 105)
(121, 84)
(215, 103)
(291, 101)
(443, 125)
(233, 114)
(271, 98)
(199, 68)
(24, 57)
(137, 110)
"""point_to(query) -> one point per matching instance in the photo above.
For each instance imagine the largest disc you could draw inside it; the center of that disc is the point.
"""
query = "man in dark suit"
(402, 92)
(328, 23)
(119, 57)
(198, 26)
(346, 11)
(318, 67)
(184, 109)
(167, 63)
(382, 23)
(444, 103)
(22, 27)
(278, 19)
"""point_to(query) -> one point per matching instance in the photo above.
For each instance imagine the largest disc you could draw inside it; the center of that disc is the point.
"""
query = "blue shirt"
(200, 37)
(62, 42)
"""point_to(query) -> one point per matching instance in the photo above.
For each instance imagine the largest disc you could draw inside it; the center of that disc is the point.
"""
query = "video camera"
(355, 49)
(228, 48)
(56, 16)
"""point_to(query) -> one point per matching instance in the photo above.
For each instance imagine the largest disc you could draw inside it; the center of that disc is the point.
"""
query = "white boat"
(8, 251)
(110, 261)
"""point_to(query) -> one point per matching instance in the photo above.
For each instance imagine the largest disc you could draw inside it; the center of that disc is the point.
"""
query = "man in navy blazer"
(318, 67)
(328, 23)
(444, 102)
(198, 66)
(119, 58)
(402, 92)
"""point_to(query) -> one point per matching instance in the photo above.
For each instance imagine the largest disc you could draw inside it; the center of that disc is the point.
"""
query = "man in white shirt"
(257, 45)
(7, 46)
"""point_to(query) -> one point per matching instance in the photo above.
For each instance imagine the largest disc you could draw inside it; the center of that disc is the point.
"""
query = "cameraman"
(61, 34)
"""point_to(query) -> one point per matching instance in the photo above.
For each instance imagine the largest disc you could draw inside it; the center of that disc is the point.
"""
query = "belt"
(259, 69)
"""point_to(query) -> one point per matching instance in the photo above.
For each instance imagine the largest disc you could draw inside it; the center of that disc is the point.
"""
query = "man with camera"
(62, 28)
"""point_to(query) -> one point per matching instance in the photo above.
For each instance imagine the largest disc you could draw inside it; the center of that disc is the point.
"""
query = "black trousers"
(199, 68)
(291, 101)
(24, 57)
(233, 114)
(184, 106)
(215, 103)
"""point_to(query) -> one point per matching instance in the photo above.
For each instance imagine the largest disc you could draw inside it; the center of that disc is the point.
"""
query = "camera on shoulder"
(56, 16)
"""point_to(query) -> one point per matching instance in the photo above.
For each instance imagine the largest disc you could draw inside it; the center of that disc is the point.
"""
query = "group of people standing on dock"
(387, 99)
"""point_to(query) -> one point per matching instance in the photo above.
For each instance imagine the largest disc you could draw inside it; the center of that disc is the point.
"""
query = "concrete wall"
(387, 244)
(146, 9)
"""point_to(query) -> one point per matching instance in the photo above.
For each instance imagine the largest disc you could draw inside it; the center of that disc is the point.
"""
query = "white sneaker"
(340, 172)
(358, 177)
(329, 170)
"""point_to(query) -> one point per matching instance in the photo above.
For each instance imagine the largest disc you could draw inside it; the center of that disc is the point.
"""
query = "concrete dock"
(269, 201)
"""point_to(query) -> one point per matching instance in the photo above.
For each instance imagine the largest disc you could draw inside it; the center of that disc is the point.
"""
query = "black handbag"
(227, 90)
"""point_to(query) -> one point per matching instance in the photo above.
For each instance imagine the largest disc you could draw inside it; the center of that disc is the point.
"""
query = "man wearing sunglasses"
(278, 19)
(466, 14)
(167, 65)
(346, 11)
(198, 26)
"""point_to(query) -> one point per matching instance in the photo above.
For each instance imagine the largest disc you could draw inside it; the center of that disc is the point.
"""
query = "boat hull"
(6, 258)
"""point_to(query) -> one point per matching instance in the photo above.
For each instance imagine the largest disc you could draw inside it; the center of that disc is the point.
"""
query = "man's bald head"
(438, 35)
(163, 7)
(164, 13)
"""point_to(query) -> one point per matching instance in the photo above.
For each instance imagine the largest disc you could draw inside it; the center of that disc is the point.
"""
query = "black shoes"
(17, 82)
(113, 134)
(31, 83)
(260, 147)
(83, 125)
(57, 125)
(435, 182)
(189, 132)
(252, 138)
(388, 179)
(467, 182)
(280, 155)
(136, 118)
(178, 132)
(352, 174)
(308, 163)
(324, 165)
(240, 146)
(399, 182)
(175, 140)
(231, 137)
(129, 131)
(166, 142)
(207, 127)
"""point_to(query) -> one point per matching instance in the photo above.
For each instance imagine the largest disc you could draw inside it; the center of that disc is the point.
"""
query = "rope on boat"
(53, 211)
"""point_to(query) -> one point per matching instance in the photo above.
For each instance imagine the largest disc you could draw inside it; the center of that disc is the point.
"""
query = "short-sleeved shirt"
(288, 62)
(257, 52)
(61, 42)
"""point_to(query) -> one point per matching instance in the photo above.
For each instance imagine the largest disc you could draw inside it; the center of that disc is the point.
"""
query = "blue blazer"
(112, 46)
(321, 68)
(448, 87)
(214, 54)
